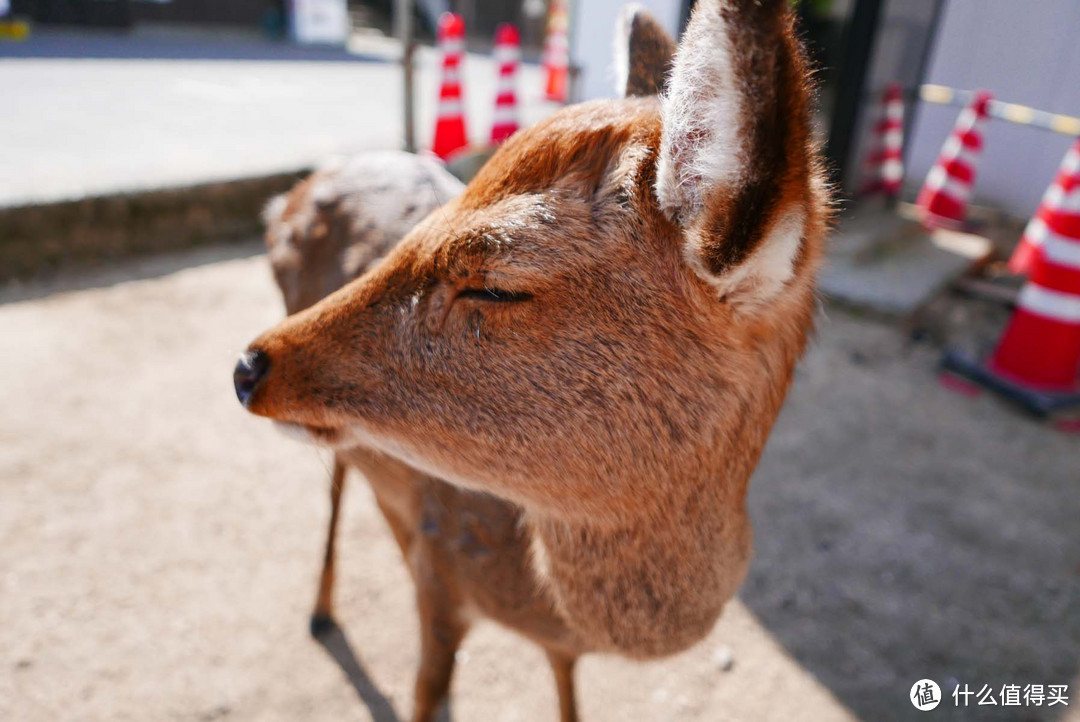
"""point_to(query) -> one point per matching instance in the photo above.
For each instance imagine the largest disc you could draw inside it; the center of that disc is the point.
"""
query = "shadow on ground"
(135, 269)
(336, 644)
(903, 532)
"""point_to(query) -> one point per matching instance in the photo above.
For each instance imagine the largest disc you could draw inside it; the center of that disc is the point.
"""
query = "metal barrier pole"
(403, 9)
(1011, 112)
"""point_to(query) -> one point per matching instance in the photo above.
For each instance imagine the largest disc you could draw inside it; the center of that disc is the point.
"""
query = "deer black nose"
(249, 371)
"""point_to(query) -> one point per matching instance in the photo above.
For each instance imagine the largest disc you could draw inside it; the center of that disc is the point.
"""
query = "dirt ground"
(159, 547)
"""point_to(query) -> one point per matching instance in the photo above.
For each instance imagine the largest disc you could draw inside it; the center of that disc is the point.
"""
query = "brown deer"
(331, 228)
(343, 218)
(559, 383)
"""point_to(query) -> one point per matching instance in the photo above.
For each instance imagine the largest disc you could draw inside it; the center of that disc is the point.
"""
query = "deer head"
(601, 328)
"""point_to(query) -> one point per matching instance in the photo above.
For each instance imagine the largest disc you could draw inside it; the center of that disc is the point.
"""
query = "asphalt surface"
(159, 547)
(87, 114)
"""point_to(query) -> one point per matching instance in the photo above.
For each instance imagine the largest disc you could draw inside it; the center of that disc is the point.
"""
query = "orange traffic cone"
(450, 135)
(1037, 361)
(557, 51)
(945, 194)
(1058, 214)
(507, 56)
(885, 162)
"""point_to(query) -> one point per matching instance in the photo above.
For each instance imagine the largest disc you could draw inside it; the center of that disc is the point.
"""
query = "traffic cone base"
(1037, 361)
(451, 137)
(557, 52)
(1040, 402)
(556, 85)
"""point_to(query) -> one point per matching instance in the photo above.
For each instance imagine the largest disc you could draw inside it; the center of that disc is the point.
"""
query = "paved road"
(159, 547)
(76, 127)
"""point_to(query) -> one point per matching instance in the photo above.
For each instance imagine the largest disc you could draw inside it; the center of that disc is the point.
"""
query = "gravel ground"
(159, 548)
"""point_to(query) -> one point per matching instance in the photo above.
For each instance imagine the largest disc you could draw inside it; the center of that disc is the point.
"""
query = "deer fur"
(343, 218)
(329, 229)
(560, 382)
(643, 53)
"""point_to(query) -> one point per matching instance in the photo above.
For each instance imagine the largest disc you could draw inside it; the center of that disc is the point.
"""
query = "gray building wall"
(1024, 51)
(905, 30)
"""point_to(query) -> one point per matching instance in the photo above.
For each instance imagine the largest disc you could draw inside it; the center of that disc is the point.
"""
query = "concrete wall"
(1025, 52)
(592, 40)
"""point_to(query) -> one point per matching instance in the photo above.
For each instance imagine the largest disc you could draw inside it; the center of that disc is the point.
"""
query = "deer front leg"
(563, 667)
(322, 618)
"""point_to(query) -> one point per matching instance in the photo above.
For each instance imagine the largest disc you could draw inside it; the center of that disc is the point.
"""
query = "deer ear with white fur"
(735, 168)
(643, 53)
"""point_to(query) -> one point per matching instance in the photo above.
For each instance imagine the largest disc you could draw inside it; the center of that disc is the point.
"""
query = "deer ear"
(734, 168)
(643, 53)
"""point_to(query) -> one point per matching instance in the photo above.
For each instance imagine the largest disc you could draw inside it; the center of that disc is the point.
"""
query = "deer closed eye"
(494, 295)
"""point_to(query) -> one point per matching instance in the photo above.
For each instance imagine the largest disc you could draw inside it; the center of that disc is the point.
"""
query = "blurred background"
(917, 511)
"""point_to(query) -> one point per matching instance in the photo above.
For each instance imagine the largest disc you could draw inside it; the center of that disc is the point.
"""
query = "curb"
(41, 239)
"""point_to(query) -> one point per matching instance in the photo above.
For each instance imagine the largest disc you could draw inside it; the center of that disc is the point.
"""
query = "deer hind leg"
(441, 634)
(322, 618)
(563, 667)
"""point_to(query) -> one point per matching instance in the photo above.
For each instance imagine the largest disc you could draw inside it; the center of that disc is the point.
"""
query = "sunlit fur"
(342, 219)
(643, 53)
(604, 426)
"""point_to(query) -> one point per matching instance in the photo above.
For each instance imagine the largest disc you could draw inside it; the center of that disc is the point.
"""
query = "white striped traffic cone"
(557, 51)
(507, 57)
(1058, 215)
(450, 135)
(886, 160)
(944, 196)
(1037, 361)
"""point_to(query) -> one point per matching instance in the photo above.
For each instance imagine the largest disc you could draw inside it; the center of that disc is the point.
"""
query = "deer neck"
(653, 583)
(652, 577)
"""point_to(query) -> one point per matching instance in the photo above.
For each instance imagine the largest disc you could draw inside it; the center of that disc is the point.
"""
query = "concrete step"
(40, 239)
(887, 264)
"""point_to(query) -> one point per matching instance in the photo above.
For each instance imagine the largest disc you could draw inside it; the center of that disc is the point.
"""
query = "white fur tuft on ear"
(702, 112)
(624, 25)
(761, 276)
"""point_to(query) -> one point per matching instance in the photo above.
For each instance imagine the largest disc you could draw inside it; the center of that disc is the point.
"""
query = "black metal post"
(404, 22)
(920, 78)
(858, 49)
